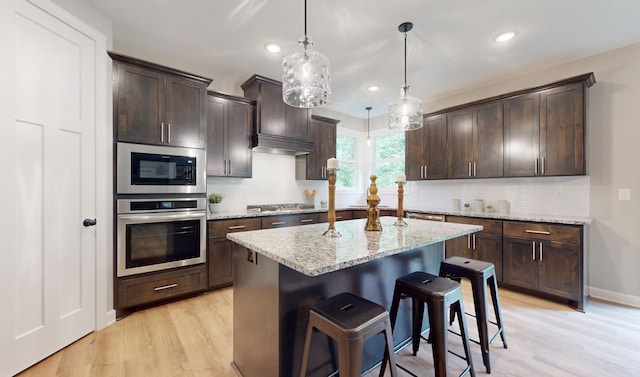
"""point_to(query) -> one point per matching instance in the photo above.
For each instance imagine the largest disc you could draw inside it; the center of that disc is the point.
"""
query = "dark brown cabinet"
(153, 104)
(220, 250)
(545, 258)
(322, 133)
(485, 245)
(160, 286)
(281, 221)
(545, 131)
(229, 125)
(426, 149)
(475, 148)
(340, 216)
(278, 126)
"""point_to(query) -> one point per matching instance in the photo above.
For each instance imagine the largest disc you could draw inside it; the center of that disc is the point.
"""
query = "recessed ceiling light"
(272, 47)
(505, 36)
(373, 88)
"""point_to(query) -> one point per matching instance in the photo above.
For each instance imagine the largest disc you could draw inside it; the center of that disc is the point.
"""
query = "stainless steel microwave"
(152, 169)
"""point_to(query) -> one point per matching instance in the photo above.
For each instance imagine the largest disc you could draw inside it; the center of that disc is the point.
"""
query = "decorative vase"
(214, 207)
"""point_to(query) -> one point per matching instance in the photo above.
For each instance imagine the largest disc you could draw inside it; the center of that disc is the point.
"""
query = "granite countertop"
(557, 219)
(304, 248)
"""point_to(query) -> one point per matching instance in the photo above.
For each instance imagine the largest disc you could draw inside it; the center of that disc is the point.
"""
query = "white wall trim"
(619, 298)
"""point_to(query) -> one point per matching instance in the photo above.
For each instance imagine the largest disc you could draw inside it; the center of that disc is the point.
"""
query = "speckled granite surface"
(306, 250)
(571, 220)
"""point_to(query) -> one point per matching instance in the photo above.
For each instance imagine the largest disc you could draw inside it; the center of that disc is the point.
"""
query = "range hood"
(265, 143)
(278, 127)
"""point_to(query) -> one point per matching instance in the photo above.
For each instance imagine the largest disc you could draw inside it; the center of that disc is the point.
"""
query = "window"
(389, 159)
(346, 155)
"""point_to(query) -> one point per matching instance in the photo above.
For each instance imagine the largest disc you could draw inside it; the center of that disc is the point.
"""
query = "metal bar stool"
(440, 295)
(350, 320)
(480, 274)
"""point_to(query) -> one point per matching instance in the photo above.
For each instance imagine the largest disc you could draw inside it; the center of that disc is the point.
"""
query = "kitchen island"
(279, 273)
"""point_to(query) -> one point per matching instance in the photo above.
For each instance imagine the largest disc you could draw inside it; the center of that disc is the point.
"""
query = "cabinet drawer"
(289, 220)
(340, 215)
(540, 231)
(160, 286)
(219, 228)
(488, 225)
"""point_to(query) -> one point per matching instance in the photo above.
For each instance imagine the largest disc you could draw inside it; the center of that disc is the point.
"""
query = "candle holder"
(331, 214)
(373, 214)
(400, 221)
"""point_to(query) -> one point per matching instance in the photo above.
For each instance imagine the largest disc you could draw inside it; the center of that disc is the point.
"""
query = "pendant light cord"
(305, 22)
(405, 56)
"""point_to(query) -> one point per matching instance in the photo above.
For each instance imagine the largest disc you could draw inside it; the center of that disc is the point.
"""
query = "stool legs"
(479, 288)
(493, 286)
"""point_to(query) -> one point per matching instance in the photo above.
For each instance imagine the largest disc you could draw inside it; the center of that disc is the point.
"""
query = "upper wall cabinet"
(278, 127)
(475, 141)
(322, 133)
(426, 149)
(545, 132)
(229, 125)
(154, 104)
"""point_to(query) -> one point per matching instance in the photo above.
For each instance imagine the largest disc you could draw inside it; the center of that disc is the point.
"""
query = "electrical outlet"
(624, 194)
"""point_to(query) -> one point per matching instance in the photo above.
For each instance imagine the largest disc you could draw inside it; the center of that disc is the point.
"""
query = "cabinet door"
(220, 261)
(520, 266)
(436, 147)
(559, 265)
(186, 114)
(415, 153)
(217, 118)
(488, 248)
(487, 141)
(460, 144)
(238, 130)
(458, 247)
(315, 162)
(139, 104)
(562, 131)
(521, 135)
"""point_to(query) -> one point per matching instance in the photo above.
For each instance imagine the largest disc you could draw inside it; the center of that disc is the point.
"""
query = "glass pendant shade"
(306, 78)
(405, 112)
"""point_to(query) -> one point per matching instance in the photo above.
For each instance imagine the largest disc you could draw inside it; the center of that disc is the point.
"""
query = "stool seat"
(480, 274)
(439, 295)
(350, 320)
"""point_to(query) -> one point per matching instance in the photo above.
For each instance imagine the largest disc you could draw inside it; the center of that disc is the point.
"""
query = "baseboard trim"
(619, 298)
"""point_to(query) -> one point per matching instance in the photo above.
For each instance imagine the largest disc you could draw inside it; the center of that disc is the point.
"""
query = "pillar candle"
(332, 163)
(401, 178)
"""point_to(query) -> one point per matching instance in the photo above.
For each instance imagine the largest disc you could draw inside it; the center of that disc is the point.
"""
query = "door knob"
(89, 222)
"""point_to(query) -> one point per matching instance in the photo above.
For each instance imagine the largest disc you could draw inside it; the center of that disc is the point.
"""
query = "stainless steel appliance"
(424, 216)
(152, 169)
(158, 234)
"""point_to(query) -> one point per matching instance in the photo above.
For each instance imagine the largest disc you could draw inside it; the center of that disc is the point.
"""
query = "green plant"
(215, 198)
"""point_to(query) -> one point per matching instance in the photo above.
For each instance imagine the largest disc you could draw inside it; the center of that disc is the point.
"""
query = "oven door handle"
(161, 217)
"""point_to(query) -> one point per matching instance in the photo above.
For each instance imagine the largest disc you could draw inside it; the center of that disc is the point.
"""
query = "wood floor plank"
(193, 338)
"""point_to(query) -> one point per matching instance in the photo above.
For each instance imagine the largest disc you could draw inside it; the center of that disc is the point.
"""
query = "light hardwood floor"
(192, 337)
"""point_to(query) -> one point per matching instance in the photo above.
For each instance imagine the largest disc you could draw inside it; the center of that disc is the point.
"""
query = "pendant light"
(306, 78)
(405, 113)
(368, 108)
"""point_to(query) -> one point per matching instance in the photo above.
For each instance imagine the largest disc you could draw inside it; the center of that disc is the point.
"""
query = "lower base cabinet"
(220, 249)
(545, 258)
(485, 245)
(160, 286)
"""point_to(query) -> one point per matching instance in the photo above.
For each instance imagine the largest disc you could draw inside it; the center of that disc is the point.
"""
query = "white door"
(48, 188)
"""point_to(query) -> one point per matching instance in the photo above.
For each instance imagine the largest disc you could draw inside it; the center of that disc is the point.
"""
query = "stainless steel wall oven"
(157, 234)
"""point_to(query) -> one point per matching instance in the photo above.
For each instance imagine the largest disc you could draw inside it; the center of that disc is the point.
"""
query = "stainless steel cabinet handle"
(543, 163)
(535, 167)
(162, 132)
(537, 231)
(279, 223)
(168, 286)
(229, 167)
(468, 241)
(469, 168)
(225, 167)
(540, 250)
(533, 250)
(237, 227)
(338, 217)
(169, 133)
(474, 242)
(426, 172)
(474, 169)
(306, 220)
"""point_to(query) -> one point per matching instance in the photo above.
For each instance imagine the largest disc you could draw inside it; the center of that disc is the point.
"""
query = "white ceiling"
(450, 47)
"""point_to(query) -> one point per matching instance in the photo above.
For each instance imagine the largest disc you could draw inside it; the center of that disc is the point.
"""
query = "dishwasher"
(424, 216)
